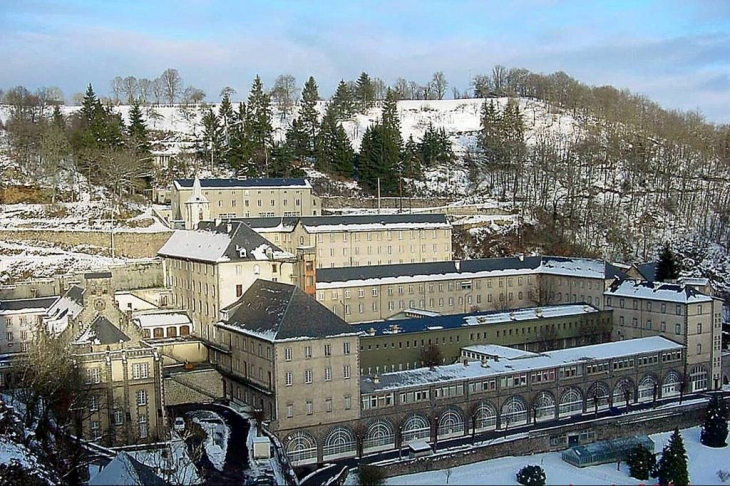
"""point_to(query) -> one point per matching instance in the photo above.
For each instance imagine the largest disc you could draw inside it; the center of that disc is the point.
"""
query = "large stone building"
(362, 240)
(210, 268)
(678, 312)
(245, 198)
(364, 294)
(397, 345)
(281, 351)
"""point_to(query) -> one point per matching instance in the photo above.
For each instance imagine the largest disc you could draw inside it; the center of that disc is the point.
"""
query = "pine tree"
(666, 267)
(342, 102)
(297, 139)
(672, 467)
(714, 431)
(309, 116)
(531, 476)
(138, 130)
(411, 160)
(226, 118)
(240, 152)
(435, 147)
(641, 462)
(212, 138)
(258, 125)
(364, 93)
(57, 118)
(335, 154)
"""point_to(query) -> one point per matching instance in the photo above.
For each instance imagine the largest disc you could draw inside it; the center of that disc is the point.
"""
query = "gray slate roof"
(20, 304)
(373, 219)
(256, 182)
(102, 331)
(277, 311)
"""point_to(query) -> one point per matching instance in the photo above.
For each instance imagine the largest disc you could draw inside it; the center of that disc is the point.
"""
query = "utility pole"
(378, 195)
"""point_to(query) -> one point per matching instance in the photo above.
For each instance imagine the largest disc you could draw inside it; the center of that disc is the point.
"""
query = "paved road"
(236, 461)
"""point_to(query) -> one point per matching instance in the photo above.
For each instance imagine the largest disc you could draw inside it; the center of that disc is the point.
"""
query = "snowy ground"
(704, 462)
(176, 466)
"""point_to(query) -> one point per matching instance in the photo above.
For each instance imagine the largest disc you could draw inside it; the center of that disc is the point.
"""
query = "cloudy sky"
(677, 53)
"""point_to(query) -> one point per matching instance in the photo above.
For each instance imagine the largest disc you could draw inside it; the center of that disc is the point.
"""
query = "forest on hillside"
(627, 177)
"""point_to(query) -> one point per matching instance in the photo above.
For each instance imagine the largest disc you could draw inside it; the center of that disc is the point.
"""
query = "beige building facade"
(248, 198)
(678, 312)
(362, 240)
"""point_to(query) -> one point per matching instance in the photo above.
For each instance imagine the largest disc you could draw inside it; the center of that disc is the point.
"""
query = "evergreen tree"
(240, 152)
(411, 160)
(335, 154)
(258, 125)
(714, 431)
(531, 476)
(282, 162)
(212, 138)
(297, 139)
(226, 118)
(342, 102)
(641, 462)
(435, 147)
(364, 93)
(138, 130)
(57, 118)
(672, 467)
(309, 116)
(666, 267)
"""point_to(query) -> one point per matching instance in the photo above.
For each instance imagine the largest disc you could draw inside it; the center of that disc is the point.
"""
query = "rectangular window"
(346, 371)
(118, 416)
(308, 351)
(310, 407)
(328, 374)
(142, 423)
(93, 375)
(348, 402)
(141, 398)
(346, 348)
(239, 290)
(287, 354)
(140, 371)
(289, 378)
(307, 376)
(328, 350)
(93, 403)
(289, 410)
(328, 404)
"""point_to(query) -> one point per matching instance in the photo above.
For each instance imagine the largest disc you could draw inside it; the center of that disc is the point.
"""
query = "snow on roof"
(271, 183)
(550, 359)
(661, 291)
(68, 306)
(26, 306)
(124, 470)
(197, 245)
(157, 319)
(573, 267)
(124, 299)
(496, 350)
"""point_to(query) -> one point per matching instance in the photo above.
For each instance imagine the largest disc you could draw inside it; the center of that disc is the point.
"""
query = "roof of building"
(101, 331)
(647, 270)
(535, 361)
(160, 318)
(455, 321)
(662, 291)
(68, 306)
(370, 222)
(270, 225)
(276, 311)
(39, 304)
(222, 242)
(242, 183)
(124, 470)
(429, 271)
(97, 275)
(496, 350)
(197, 195)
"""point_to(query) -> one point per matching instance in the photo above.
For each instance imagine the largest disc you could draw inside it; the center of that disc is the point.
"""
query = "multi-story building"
(365, 294)
(245, 198)
(210, 268)
(494, 388)
(362, 240)
(121, 373)
(281, 351)
(397, 345)
(678, 312)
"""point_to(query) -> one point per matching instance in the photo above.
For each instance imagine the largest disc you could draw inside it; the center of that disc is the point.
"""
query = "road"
(236, 461)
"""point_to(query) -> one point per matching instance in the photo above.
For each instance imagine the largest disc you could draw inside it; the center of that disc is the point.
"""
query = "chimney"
(457, 264)
(376, 379)
(466, 362)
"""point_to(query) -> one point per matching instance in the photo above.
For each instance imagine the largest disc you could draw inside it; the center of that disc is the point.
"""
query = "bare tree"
(439, 84)
(431, 356)
(380, 88)
(117, 88)
(129, 88)
(54, 152)
(285, 93)
(499, 79)
(481, 85)
(402, 89)
(193, 95)
(172, 84)
(227, 91)
(158, 90)
(144, 90)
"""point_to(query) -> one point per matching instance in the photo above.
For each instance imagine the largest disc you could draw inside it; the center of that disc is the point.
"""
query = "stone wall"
(197, 386)
(126, 244)
(128, 276)
(180, 352)
(539, 441)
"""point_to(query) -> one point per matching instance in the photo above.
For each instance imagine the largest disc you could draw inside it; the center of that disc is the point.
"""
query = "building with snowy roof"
(676, 311)
(374, 293)
(209, 268)
(281, 351)
(605, 451)
(245, 198)
(400, 344)
(362, 240)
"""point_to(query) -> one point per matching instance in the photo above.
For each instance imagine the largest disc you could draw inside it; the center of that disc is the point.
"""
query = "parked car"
(179, 424)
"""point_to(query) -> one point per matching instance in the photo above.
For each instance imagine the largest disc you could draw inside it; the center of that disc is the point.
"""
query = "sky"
(675, 52)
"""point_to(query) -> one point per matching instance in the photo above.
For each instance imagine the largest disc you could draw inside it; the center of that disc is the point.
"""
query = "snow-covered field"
(704, 462)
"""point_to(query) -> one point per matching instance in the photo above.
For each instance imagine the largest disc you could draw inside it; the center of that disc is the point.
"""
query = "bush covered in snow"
(531, 476)
(641, 463)
(714, 431)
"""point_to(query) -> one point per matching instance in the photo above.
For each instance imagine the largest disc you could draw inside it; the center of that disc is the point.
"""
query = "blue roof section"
(231, 183)
(453, 321)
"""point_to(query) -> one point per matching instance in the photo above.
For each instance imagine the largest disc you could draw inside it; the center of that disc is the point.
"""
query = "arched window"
(623, 392)
(514, 412)
(597, 396)
(571, 402)
(416, 427)
(485, 417)
(671, 385)
(648, 389)
(301, 448)
(256, 269)
(380, 435)
(544, 406)
(340, 442)
(451, 423)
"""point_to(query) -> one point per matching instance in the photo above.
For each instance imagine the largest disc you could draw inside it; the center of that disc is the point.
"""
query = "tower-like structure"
(197, 207)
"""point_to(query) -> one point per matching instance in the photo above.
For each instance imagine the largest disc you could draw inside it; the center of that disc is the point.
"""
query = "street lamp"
(400, 441)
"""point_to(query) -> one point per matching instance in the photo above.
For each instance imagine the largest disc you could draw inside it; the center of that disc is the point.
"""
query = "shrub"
(714, 431)
(723, 474)
(641, 462)
(531, 476)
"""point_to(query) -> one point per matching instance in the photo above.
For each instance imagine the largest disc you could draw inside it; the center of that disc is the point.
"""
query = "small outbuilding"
(606, 451)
